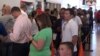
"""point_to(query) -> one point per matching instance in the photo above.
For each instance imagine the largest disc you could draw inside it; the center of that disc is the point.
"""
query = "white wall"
(9, 2)
(98, 4)
(55, 1)
(64, 3)
(28, 0)
(77, 3)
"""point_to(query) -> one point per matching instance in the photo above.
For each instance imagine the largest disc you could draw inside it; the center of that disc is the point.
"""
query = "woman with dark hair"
(40, 43)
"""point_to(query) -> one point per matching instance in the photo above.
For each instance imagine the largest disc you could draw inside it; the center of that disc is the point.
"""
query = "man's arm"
(14, 36)
(74, 30)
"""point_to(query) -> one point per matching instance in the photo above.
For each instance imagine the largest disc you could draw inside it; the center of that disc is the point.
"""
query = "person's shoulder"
(2, 17)
(21, 17)
(45, 29)
(73, 22)
(7, 17)
(10, 16)
(77, 17)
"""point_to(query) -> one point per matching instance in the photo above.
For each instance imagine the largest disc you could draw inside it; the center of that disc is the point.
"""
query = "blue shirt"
(3, 31)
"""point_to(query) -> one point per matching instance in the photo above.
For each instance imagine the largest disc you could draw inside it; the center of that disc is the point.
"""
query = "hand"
(58, 29)
(10, 30)
(75, 39)
(30, 38)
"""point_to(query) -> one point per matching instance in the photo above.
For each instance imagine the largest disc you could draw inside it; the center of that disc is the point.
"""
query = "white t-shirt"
(78, 20)
(69, 29)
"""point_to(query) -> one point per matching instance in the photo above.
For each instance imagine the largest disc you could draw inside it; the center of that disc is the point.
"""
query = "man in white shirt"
(78, 20)
(70, 29)
(21, 30)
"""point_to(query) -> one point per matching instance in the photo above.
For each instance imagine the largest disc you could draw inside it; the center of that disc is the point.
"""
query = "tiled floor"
(95, 41)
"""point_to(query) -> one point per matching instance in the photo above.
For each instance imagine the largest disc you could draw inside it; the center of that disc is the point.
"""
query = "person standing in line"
(8, 21)
(77, 19)
(40, 43)
(90, 18)
(19, 36)
(58, 27)
(70, 29)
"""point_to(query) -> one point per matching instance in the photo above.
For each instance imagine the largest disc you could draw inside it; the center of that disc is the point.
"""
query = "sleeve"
(79, 20)
(74, 28)
(42, 35)
(10, 23)
(14, 36)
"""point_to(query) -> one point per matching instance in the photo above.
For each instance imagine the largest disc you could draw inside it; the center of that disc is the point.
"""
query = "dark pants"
(20, 49)
(75, 54)
(14, 49)
(5, 49)
(0, 49)
(85, 30)
(57, 41)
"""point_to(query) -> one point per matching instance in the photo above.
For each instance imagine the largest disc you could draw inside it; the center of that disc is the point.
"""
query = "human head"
(43, 21)
(6, 9)
(75, 11)
(52, 12)
(68, 14)
(15, 11)
(23, 7)
(90, 9)
(33, 14)
(39, 11)
(47, 11)
(66, 49)
(61, 13)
